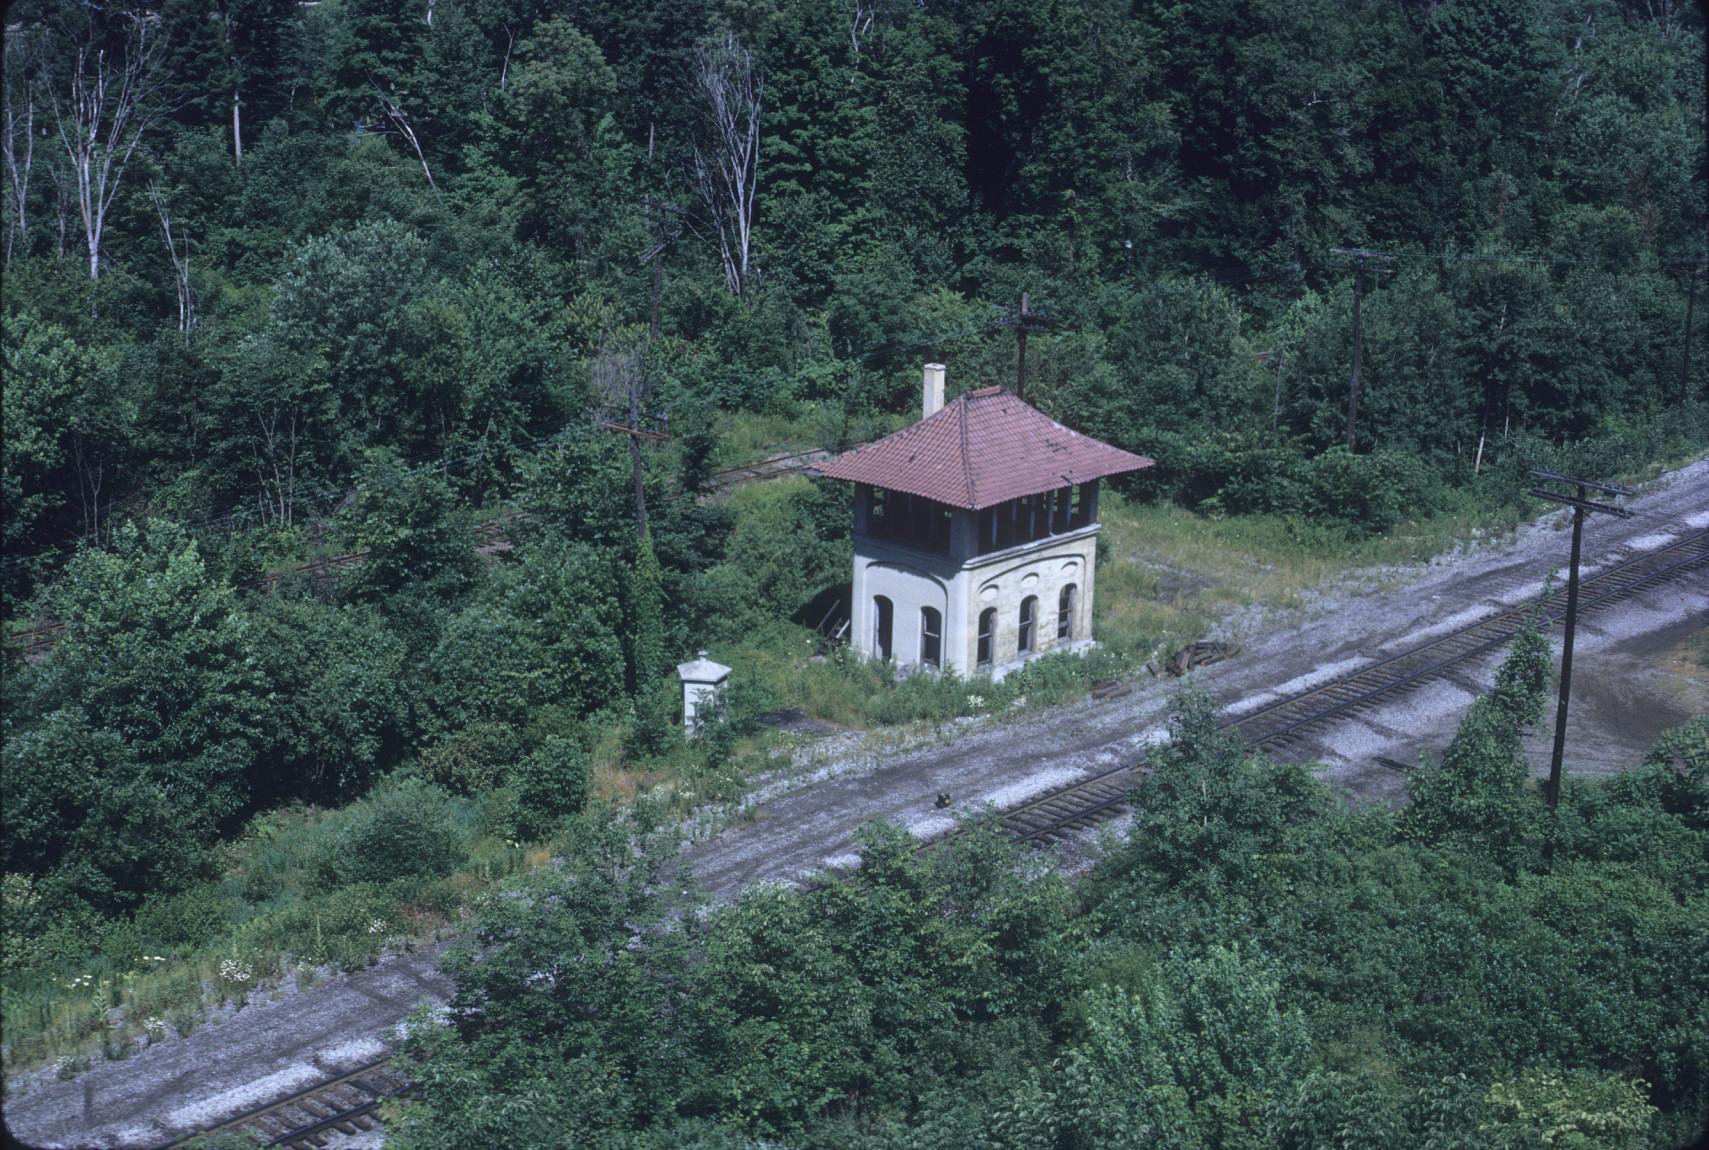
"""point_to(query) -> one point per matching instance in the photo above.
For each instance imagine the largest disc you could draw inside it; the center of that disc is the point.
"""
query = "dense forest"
(292, 281)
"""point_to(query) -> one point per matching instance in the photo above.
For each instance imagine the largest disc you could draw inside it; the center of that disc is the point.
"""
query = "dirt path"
(1630, 685)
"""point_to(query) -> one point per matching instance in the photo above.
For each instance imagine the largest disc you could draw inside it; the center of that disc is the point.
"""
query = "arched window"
(931, 637)
(987, 636)
(883, 614)
(1065, 613)
(1029, 616)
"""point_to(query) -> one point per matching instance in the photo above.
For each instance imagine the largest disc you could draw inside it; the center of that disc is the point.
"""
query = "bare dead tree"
(90, 465)
(399, 120)
(860, 22)
(18, 145)
(504, 68)
(180, 261)
(727, 158)
(276, 460)
(108, 106)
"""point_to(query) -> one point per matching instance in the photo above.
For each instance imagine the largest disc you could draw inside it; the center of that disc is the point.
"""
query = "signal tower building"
(975, 533)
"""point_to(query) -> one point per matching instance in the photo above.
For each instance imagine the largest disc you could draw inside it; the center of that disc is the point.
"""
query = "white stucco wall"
(913, 579)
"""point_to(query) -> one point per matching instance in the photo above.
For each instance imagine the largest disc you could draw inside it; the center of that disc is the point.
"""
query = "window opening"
(883, 614)
(1065, 613)
(987, 624)
(1029, 612)
(931, 637)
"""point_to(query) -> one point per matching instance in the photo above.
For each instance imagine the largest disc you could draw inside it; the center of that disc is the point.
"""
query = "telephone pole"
(621, 377)
(1360, 260)
(1023, 320)
(1580, 505)
(665, 220)
(1697, 266)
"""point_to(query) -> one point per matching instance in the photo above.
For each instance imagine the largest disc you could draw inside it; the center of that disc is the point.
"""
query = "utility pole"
(1690, 304)
(1021, 343)
(1023, 319)
(621, 377)
(665, 220)
(1360, 260)
(1580, 505)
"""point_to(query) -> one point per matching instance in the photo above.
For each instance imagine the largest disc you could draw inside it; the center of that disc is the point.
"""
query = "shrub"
(551, 783)
(1367, 494)
(406, 831)
(188, 919)
(474, 760)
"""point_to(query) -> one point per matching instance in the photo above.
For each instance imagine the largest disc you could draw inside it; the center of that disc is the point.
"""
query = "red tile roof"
(984, 448)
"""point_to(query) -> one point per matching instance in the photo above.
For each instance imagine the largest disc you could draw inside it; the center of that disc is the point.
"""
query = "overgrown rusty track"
(1284, 723)
(771, 467)
(311, 1118)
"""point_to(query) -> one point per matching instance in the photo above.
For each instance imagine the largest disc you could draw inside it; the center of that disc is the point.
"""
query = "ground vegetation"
(296, 296)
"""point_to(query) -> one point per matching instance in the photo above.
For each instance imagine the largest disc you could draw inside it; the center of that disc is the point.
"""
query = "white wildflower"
(976, 701)
(236, 972)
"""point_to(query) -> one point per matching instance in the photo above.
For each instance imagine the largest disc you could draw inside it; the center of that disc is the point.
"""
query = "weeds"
(163, 972)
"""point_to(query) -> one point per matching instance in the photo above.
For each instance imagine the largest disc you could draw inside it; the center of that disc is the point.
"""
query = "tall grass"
(280, 915)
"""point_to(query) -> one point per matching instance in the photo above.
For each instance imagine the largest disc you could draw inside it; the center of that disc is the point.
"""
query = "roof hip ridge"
(966, 460)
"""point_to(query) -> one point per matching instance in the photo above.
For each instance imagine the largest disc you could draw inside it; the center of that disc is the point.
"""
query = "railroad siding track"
(312, 1118)
(1285, 723)
(772, 467)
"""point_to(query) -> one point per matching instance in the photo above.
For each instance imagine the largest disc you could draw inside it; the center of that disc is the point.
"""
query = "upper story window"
(910, 519)
(1034, 517)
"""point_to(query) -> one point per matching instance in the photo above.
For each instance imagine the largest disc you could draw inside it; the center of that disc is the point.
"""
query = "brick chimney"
(932, 391)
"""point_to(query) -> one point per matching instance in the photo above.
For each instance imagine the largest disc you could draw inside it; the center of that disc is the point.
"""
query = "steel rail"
(304, 1133)
(1086, 800)
(1500, 628)
(1517, 614)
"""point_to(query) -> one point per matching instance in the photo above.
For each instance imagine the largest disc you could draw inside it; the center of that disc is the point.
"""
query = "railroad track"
(771, 467)
(1283, 724)
(313, 1117)
(346, 1104)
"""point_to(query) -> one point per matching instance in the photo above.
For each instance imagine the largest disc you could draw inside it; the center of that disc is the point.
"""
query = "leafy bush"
(189, 919)
(473, 760)
(551, 783)
(1367, 494)
(406, 831)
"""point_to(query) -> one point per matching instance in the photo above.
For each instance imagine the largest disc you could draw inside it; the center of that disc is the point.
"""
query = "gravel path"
(1626, 690)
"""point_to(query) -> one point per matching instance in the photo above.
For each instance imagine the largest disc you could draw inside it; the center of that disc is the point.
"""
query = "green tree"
(161, 652)
(1206, 808)
(1577, 1111)
(1197, 1057)
(42, 369)
(340, 711)
(551, 782)
(1477, 795)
